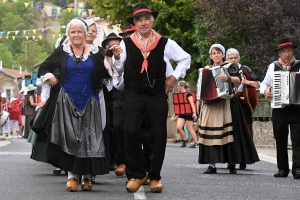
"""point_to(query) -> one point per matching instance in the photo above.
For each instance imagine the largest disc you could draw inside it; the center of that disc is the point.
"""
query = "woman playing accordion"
(223, 133)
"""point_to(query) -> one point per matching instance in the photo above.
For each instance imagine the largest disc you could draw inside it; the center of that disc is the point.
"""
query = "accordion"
(210, 87)
(285, 89)
(182, 105)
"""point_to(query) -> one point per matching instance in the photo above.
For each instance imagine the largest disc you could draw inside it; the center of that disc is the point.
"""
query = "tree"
(6, 57)
(31, 54)
(175, 20)
(65, 18)
(251, 26)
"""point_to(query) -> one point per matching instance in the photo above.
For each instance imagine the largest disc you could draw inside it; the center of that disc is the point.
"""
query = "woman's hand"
(53, 80)
(223, 77)
(41, 104)
(194, 116)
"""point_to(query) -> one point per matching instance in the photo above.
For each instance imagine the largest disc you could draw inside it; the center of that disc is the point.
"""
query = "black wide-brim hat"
(141, 9)
(111, 36)
(128, 29)
(285, 42)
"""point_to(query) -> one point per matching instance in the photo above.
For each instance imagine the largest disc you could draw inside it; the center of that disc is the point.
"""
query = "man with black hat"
(111, 40)
(144, 56)
(288, 116)
(128, 30)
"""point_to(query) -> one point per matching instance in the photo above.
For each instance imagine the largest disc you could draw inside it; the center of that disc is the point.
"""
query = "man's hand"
(170, 83)
(117, 50)
(268, 92)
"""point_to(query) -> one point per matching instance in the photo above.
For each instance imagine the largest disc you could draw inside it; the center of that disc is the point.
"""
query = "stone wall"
(9, 82)
(263, 133)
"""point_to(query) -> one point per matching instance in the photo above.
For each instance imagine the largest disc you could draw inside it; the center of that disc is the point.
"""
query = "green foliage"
(31, 54)
(175, 21)
(6, 57)
(65, 18)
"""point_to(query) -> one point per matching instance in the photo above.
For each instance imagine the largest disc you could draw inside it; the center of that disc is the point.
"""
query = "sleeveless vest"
(152, 81)
(294, 68)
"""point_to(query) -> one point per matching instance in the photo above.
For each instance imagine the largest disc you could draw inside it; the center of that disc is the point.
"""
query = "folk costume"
(285, 118)
(248, 96)
(72, 121)
(144, 92)
(224, 136)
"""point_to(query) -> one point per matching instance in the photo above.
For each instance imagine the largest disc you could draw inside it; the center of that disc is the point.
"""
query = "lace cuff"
(42, 79)
(46, 87)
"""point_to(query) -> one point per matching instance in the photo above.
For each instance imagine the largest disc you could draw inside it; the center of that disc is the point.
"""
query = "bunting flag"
(1, 33)
(40, 37)
(79, 11)
(13, 37)
(48, 9)
(4, 1)
(8, 32)
(0, 37)
(26, 37)
(26, 4)
(24, 32)
(43, 29)
(53, 36)
(16, 32)
(33, 37)
(69, 9)
(34, 30)
(90, 11)
(37, 6)
(58, 9)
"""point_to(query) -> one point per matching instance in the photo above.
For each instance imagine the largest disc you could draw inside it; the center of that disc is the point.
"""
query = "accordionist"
(287, 116)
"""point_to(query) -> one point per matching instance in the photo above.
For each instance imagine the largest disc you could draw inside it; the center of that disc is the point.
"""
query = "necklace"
(77, 60)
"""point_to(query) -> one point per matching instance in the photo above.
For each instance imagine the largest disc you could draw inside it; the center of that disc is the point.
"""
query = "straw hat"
(30, 87)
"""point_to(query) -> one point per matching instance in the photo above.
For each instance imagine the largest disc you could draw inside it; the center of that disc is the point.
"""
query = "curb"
(4, 141)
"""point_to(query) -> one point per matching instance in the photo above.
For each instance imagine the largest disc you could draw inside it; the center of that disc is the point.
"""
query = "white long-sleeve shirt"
(172, 52)
(267, 82)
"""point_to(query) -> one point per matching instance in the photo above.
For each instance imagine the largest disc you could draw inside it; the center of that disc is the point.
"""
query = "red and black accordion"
(182, 105)
(210, 88)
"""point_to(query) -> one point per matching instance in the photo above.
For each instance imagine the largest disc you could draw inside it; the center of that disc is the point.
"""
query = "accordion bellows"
(181, 104)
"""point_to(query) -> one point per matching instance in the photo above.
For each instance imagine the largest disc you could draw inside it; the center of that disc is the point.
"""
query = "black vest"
(154, 80)
(294, 68)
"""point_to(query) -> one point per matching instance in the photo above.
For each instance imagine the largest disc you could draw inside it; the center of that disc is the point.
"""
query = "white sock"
(71, 175)
(88, 176)
(212, 165)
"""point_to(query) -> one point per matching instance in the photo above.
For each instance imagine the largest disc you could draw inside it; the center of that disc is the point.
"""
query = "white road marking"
(14, 153)
(140, 194)
(271, 159)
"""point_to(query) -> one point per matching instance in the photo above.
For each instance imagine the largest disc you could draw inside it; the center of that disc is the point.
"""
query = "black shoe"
(243, 166)
(211, 170)
(57, 171)
(184, 143)
(113, 166)
(194, 145)
(282, 173)
(93, 179)
(177, 141)
(232, 169)
(296, 173)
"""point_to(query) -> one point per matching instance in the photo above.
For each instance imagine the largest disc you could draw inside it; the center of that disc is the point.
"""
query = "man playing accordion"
(287, 116)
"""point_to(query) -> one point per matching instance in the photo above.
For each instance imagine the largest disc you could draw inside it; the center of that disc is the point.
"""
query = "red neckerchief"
(145, 52)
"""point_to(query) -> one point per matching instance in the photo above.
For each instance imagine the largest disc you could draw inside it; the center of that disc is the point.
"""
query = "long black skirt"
(241, 150)
(54, 153)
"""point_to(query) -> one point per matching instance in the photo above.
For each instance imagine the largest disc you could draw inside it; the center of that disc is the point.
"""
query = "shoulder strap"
(276, 63)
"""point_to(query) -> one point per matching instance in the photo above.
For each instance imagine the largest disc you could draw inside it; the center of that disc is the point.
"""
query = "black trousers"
(281, 118)
(118, 118)
(156, 109)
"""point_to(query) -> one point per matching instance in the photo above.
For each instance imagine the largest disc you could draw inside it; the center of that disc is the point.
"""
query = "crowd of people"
(105, 107)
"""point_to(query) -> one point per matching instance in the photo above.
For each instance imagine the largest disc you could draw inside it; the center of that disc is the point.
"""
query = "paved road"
(183, 178)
